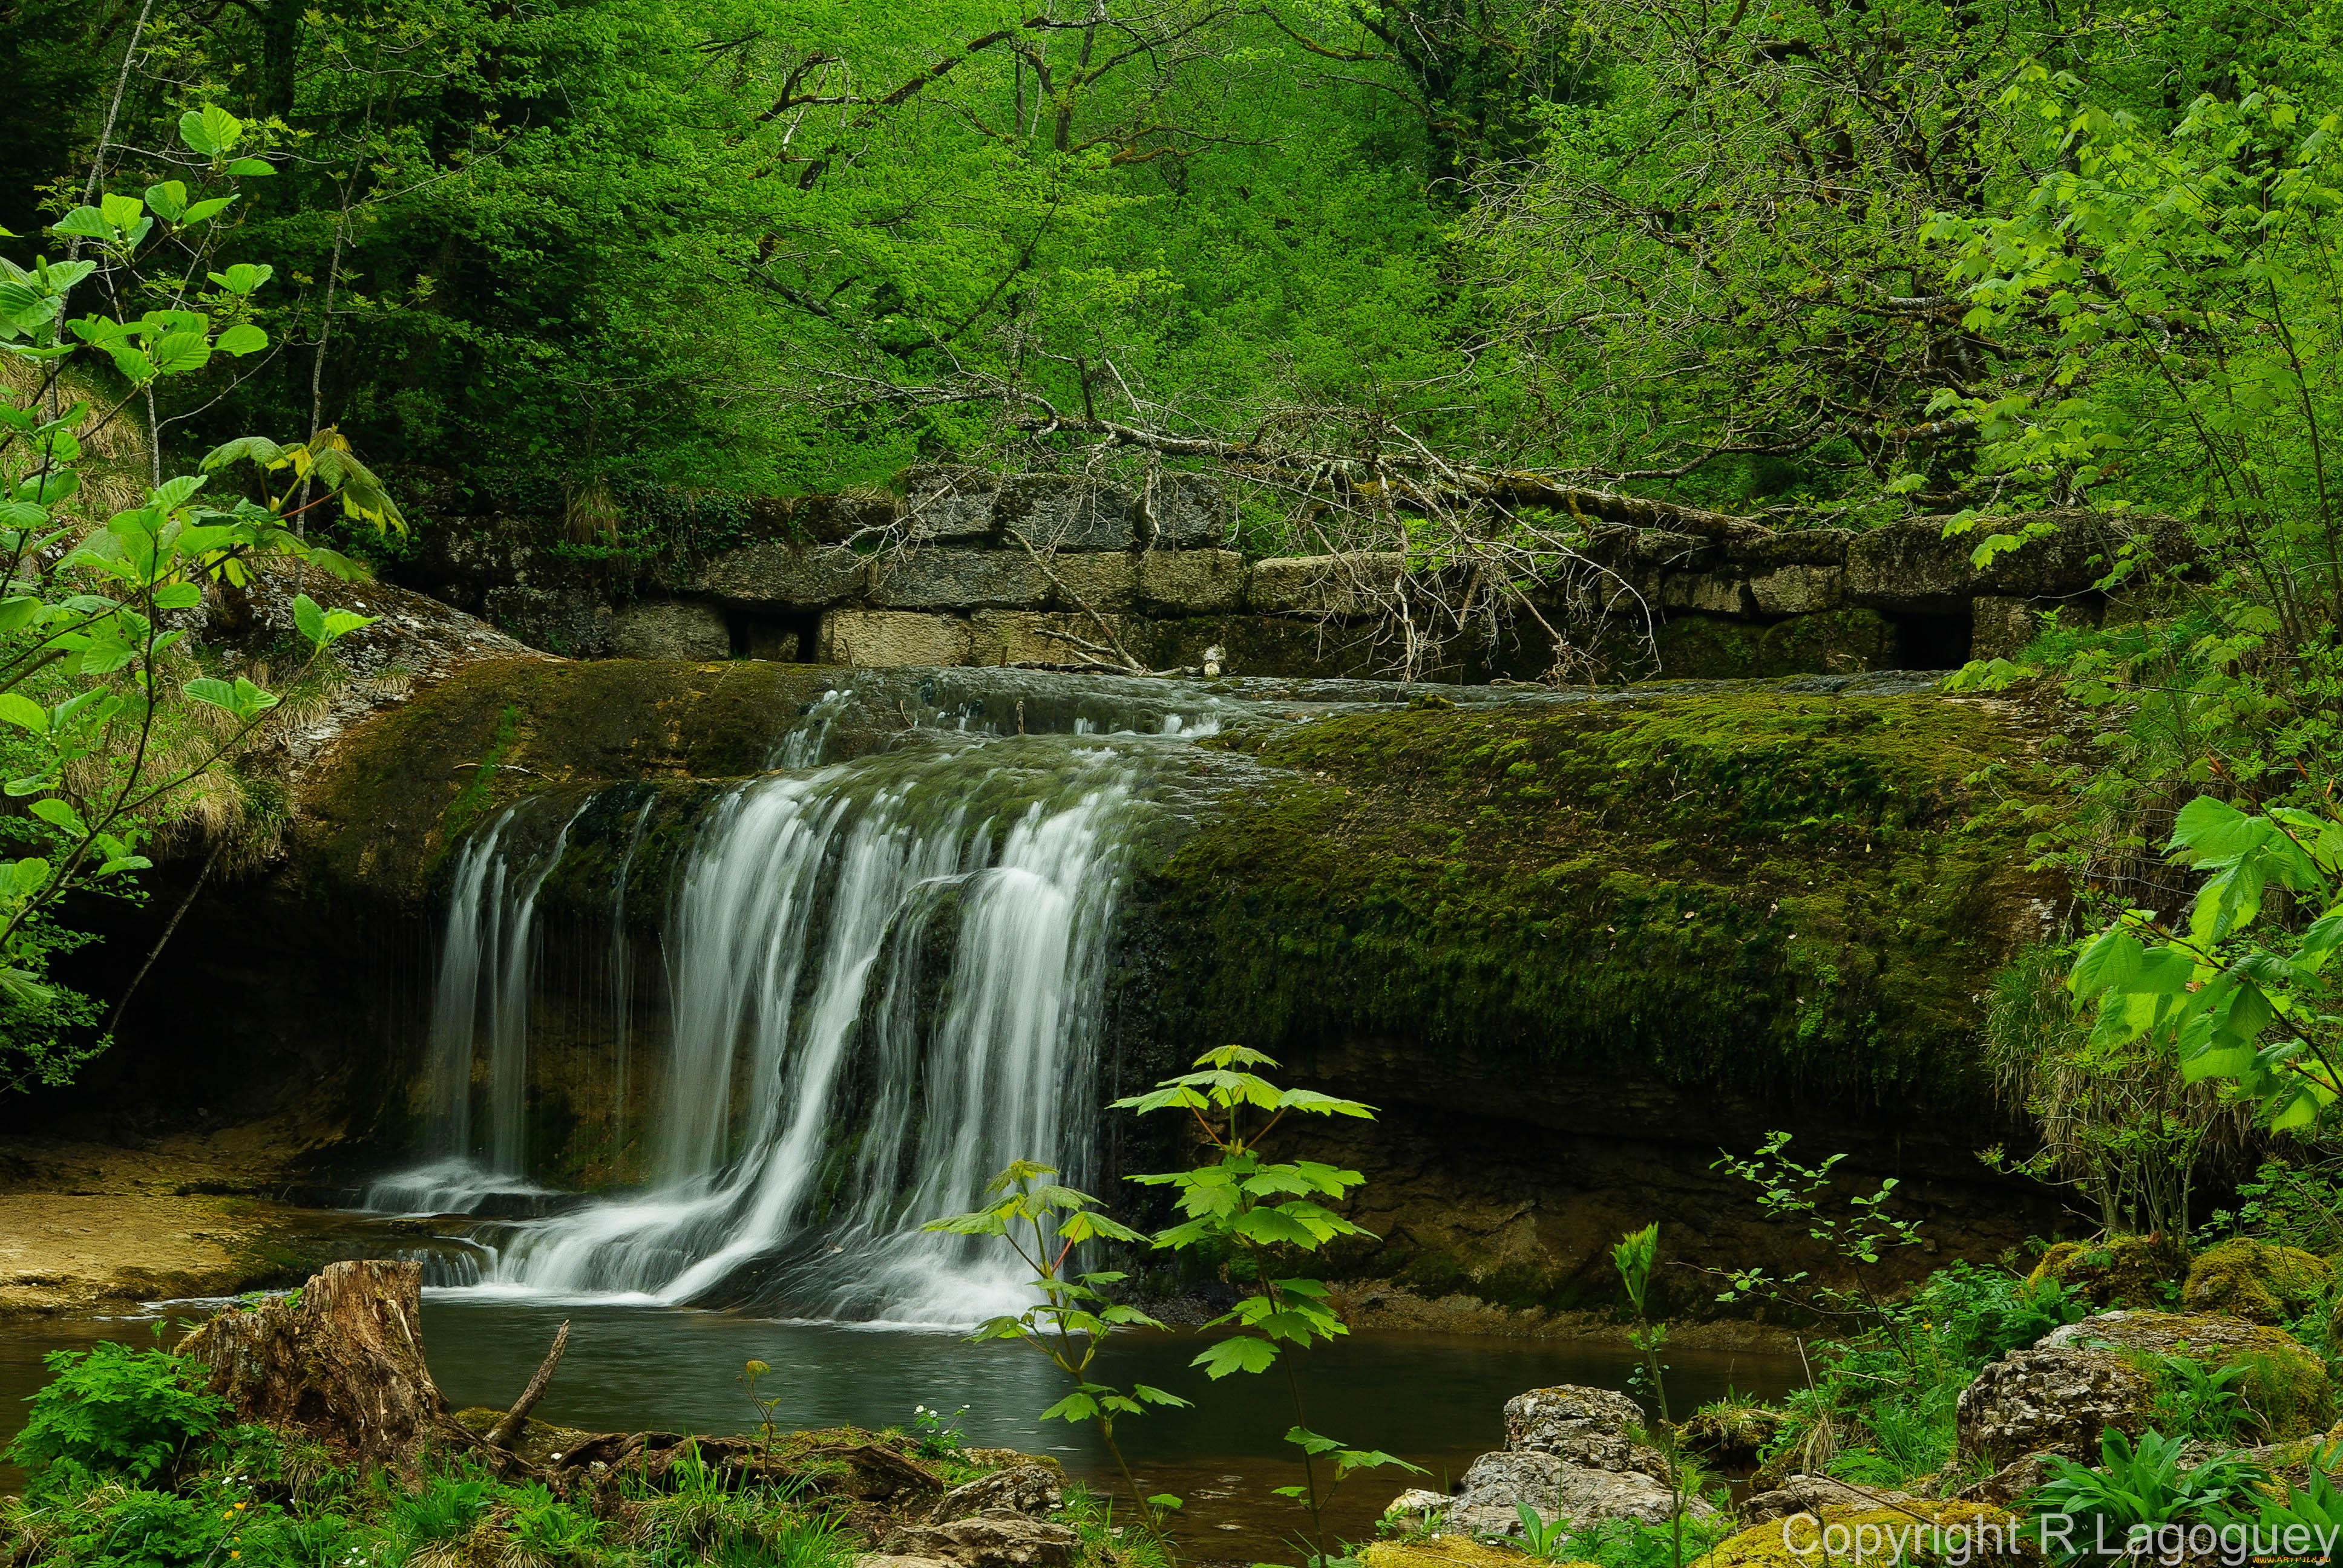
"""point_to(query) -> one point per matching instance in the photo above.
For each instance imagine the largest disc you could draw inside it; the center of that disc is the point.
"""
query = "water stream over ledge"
(882, 982)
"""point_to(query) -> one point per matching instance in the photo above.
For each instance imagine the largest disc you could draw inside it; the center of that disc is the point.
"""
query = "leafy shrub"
(2317, 1507)
(2142, 1486)
(1630, 1544)
(2194, 1400)
(112, 1409)
(1981, 1314)
(444, 1508)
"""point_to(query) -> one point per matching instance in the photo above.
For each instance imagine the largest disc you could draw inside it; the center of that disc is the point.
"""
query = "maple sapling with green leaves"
(1043, 1223)
(1267, 1210)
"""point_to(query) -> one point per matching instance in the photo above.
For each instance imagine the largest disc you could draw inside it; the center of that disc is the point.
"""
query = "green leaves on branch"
(1044, 1221)
(2221, 1000)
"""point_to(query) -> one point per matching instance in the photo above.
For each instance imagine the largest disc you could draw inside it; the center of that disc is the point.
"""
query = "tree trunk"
(345, 1365)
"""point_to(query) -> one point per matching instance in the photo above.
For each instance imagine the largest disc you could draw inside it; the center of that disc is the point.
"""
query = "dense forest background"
(581, 262)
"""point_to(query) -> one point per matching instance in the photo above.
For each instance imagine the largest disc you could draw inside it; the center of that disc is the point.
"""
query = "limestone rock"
(671, 629)
(1797, 590)
(1709, 592)
(1020, 636)
(949, 501)
(774, 576)
(1066, 512)
(1191, 513)
(1803, 1494)
(2257, 1280)
(1498, 1483)
(1912, 566)
(997, 1538)
(1018, 1489)
(2286, 1384)
(1580, 1425)
(952, 579)
(2000, 625)
(570, 622)
(1106, 581)
(2013, 1481)
(1416, 1500)
(1322, 585)
(886, 1560)
(2050, 1400)
(1190, 582)
(886, 636)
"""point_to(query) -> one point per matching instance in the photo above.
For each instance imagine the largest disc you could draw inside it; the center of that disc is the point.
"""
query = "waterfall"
(883, 982)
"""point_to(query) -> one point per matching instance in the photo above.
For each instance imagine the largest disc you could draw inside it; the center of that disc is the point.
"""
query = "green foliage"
(114, 1411)
(2291, 1201)
(1268, 1213)
(1043, 1222)
(2316, 1507)
(1635, 1255)
(2220, 997)
(100, 750)
(1632, 1544)
(2135, 1486)
(2193, 1400)
(1793, 1193)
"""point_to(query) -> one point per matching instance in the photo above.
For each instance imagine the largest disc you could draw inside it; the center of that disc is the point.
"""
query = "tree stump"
(345, 1365)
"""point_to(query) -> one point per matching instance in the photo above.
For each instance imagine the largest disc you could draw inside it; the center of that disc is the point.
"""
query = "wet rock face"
(670, 629)
(2050, 1401)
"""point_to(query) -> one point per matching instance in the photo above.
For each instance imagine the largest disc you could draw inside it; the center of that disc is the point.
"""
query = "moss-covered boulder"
(2116, 1272)
(2286, 1387)
(2259, 1281)
(1920, 1531)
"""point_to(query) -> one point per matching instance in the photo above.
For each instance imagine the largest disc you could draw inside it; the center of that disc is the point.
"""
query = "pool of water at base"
(1435, 1399)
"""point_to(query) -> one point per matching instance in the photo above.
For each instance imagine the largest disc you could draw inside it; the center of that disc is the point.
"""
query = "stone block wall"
(980, 569)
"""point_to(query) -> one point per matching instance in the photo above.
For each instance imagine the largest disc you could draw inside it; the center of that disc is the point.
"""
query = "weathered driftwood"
(507, 1433)
(344, 1365)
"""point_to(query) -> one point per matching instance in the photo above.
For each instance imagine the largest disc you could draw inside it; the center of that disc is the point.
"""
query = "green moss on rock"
(1757, 888)
(2116, 1272)
(2259, 1281)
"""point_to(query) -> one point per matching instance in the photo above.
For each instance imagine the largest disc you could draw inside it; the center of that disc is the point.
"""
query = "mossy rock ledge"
(1573, 949)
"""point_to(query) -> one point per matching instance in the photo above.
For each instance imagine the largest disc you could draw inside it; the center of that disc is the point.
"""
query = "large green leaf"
(1238, 1353)
(177, 353)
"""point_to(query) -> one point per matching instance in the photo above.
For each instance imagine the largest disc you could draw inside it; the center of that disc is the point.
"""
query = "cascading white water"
(884, 982)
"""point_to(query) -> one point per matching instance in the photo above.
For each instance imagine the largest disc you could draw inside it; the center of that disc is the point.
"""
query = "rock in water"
(1578, 1425)
(1567, 1454)
(344, 1365)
